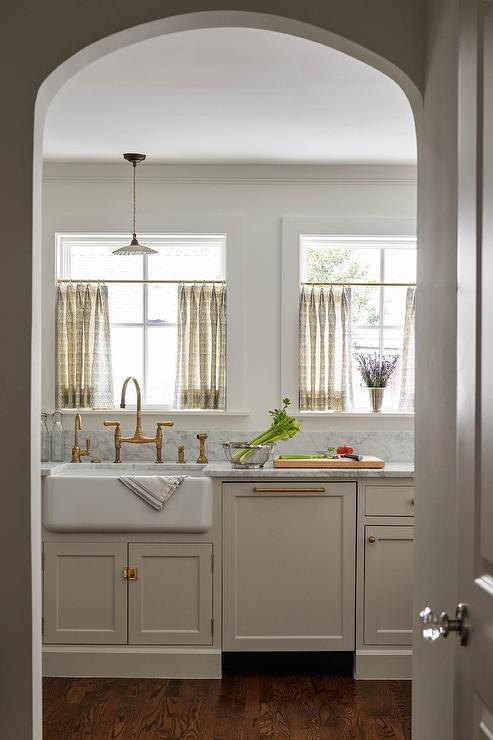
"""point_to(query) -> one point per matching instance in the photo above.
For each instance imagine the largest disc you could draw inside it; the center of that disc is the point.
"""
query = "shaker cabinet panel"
(170, 602)
(288, 564)
(85, 594)
(388, 605)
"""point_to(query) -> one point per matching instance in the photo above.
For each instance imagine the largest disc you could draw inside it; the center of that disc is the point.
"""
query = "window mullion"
(381, 306)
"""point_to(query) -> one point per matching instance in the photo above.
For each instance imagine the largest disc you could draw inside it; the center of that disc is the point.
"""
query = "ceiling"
(231, 95)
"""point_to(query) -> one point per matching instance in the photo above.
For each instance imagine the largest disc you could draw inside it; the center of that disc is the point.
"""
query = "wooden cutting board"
(366, 462)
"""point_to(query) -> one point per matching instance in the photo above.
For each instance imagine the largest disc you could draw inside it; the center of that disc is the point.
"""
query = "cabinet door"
(388, 608)
(288, 566)
(170, 602)
(85, 594)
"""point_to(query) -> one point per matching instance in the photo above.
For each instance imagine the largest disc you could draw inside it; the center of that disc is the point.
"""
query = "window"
(143, 315)
(377, 312)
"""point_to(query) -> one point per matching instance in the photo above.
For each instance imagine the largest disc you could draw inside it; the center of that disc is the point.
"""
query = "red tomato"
(344, 450)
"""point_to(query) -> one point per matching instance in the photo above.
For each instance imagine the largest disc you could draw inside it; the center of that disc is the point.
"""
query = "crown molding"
(235, 174)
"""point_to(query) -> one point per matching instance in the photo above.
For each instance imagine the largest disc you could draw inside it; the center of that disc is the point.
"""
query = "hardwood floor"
(242, 706)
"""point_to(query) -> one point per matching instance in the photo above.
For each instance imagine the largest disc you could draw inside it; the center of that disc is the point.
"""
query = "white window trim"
(233, 226)
(352, 228)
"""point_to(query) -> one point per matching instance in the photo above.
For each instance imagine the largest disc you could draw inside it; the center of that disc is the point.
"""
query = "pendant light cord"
(135, 198)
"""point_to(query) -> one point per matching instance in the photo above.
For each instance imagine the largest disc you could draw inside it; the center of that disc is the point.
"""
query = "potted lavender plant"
(376, 372)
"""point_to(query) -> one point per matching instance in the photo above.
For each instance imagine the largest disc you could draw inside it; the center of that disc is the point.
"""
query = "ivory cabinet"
(289, 566)
(389, 553)
(120, 593)
(170, 603)
(384, 613)
(85, 595)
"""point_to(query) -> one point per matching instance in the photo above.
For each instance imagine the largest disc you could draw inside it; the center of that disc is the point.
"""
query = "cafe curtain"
(83, 353)
(201, 356)
(325, 348)
(406, 396)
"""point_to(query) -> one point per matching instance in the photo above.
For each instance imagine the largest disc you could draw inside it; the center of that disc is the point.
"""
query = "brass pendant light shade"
(134, 248)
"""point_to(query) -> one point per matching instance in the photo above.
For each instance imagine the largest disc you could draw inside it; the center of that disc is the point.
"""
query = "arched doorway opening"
(157, 28)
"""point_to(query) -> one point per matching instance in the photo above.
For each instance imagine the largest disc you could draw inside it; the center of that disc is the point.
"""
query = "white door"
(170, 600)
(473, 666)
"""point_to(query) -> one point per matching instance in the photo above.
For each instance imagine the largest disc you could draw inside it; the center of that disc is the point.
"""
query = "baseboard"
(383, 664)
(130, 662)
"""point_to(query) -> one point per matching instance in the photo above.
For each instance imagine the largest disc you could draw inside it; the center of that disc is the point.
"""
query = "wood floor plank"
(241, 706)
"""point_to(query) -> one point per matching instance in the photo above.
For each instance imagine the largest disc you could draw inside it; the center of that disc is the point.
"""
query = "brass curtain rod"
(139, 282)
(364, 285)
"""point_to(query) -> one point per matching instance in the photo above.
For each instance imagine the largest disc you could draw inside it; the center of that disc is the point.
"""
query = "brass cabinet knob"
(371, 540)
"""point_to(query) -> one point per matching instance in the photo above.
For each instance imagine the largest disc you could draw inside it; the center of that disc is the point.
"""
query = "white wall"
(95, 198)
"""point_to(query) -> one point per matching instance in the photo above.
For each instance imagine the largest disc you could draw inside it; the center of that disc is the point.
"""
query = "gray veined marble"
(223, 470)
(391, 446)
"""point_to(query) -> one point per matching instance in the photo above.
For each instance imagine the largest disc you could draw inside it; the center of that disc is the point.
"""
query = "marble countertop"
(224, 470)
(391, 470)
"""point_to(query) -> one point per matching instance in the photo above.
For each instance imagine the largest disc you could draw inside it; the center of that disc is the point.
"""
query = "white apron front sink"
(90, 498)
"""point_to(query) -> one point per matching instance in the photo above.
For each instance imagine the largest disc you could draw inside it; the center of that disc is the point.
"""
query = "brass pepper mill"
(202, 459)
(181, 454)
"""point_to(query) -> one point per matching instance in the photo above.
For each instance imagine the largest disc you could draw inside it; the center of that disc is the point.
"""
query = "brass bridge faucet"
(138, 438)
(77, 453)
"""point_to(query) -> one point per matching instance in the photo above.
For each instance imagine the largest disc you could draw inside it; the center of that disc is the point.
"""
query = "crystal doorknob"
(434, 627)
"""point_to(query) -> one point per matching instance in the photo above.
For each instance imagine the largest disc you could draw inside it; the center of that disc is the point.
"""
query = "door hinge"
(130, 573)
(212, 627)
(42, 561)
(42, 625)
(212, 561)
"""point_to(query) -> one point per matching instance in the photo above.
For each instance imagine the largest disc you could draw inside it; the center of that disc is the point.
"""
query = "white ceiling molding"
(235, 175)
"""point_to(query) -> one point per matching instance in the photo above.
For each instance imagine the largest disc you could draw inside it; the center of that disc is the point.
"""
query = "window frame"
(348, 231)
(232, 258)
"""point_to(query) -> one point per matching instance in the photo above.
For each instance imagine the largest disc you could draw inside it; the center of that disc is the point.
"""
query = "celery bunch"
(283, 427)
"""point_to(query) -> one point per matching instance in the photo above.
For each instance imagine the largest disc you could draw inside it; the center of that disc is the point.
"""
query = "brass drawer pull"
(411, 502)
(130, 573)
(371, 540)
(289, 490)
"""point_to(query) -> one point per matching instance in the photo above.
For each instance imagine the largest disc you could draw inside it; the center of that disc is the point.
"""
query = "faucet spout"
(138, 420)
(77, 428)
(77, 453)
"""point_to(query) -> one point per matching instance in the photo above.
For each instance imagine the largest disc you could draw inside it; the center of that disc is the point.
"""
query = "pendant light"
(134, 248)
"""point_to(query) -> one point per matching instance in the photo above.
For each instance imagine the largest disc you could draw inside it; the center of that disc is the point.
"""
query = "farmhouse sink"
(90, 498)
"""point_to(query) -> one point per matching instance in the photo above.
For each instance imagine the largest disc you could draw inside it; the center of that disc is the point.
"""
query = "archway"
(98, 49)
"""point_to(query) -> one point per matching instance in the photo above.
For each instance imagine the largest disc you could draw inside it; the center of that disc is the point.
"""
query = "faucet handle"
(165, 424)
(111, 423)
(202, 458)
(88, 446)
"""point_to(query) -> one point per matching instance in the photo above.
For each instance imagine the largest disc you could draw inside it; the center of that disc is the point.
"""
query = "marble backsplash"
(391, 446)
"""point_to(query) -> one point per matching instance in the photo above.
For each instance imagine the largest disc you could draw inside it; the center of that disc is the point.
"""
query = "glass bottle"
(56, 437)
(45, 438)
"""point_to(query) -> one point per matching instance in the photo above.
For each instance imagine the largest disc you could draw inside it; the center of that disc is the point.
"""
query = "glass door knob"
(434, 627)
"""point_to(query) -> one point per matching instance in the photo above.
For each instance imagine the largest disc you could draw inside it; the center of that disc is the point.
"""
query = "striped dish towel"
(155, 490)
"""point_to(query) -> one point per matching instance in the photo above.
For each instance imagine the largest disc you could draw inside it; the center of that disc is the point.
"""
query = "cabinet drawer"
(281, 488)
(389, 500)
